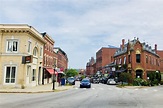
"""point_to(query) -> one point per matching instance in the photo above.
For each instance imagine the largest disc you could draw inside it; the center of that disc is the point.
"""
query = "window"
(10, 74)
(124, 60)
(120, 60)
(29, 46)
(28, 70)
(40, 51)
(146, 58)
(129, 59)
(35, 51)
(137, 58)
(115, 61)
(34, 75)
(12, 45)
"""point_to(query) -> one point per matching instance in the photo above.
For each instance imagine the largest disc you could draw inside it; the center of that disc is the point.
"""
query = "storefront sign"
(27, 59)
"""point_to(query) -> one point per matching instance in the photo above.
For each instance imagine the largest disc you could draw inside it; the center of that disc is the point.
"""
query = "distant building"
(138, 58)
(104, 57)
(61, 59)
(91, 67)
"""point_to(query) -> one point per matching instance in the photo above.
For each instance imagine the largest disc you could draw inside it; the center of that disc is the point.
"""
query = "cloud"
(82, 27)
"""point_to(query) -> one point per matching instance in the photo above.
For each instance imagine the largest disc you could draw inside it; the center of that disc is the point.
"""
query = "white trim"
(4, 77)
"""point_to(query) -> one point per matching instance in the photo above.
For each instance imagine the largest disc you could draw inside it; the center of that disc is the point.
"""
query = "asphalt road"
(98, 96)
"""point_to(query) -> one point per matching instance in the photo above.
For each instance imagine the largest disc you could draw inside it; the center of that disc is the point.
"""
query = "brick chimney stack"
(123, 43)
(156, 48)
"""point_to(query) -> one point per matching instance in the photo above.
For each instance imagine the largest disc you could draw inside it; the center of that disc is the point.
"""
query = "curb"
(44, 91)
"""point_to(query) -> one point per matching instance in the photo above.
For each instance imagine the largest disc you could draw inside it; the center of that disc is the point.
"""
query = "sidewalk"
(36, 89)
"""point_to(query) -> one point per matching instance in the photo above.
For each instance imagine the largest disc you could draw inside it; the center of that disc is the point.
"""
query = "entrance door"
(139, 73)
(28, 75)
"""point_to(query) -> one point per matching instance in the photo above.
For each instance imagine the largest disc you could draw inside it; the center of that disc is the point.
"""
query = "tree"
(71, 73)
(126, 77)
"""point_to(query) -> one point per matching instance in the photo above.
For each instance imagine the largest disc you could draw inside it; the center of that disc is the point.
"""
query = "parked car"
(95, 80)
(111, 82)
(71, 80)
(85, 83)
(104, 80)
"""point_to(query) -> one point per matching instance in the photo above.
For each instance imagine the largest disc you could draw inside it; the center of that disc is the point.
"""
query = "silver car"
(111, 82)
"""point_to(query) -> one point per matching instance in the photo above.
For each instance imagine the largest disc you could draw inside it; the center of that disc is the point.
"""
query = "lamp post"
(54, 78)
(53, 82)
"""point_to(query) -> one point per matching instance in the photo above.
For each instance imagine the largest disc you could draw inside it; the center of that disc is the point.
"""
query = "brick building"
(91, 67)
(61, 59)
(48, 60)
(104, 57)
(137, 58)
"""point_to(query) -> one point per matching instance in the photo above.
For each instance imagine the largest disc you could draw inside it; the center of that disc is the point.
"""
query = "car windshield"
(71, 78)
(85, 80)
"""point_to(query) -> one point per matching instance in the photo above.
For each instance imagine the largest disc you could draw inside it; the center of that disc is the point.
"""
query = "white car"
(111, 82)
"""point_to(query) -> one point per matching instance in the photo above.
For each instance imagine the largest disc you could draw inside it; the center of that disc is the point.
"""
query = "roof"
(145, 47)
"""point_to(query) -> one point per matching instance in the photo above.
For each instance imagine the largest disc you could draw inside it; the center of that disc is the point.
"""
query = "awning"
(51, 71)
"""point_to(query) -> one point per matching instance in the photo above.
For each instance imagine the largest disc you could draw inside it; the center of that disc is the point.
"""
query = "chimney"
(123, 43)
(156, 48)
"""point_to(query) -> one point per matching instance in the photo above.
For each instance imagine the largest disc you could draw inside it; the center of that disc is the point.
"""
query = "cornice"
(13, 28)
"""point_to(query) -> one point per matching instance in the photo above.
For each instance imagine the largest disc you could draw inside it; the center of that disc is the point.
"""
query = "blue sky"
(82, 27)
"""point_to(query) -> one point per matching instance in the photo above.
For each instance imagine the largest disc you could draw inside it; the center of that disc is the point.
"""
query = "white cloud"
(81, 27)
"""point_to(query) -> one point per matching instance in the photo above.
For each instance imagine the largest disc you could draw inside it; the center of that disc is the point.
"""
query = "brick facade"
(137, 58)
(104, 57)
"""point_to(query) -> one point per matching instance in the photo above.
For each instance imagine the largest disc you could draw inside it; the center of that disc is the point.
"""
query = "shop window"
(10, 74)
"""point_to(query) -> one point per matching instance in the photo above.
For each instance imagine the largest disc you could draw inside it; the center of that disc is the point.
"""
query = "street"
(98, 96)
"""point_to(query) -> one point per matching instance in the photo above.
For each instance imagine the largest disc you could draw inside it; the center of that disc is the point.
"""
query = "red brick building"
(48, 60)
(137, 58)
(91, 67)
(104, 57)
(61, 59)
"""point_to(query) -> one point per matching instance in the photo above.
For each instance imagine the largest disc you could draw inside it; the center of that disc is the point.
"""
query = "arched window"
(35, 52)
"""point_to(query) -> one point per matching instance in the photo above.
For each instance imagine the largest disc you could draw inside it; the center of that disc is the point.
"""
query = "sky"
(82, 27)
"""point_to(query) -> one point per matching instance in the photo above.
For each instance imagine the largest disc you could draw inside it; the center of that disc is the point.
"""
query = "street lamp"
(54, 77)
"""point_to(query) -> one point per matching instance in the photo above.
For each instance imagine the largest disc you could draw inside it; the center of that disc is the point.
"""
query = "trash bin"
(62, 81)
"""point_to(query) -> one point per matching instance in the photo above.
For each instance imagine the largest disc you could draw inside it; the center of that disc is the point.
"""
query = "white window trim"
(4, 79)
(8, 40)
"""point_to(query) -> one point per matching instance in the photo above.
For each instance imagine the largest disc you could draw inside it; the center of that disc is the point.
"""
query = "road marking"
(136, 89)
(155, 90)
(145, 89)
(93, 88)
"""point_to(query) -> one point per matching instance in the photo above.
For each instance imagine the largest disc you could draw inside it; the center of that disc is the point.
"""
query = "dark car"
(104, 80)
(95, 80)
(71, 80)
(85, 83)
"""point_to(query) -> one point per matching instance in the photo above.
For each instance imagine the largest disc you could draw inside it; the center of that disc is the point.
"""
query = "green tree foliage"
(71, 73)
(126, 77)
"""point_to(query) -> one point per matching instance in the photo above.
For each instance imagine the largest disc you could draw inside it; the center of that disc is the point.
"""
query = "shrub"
(161, 82)
(140, 82)
(126, 77)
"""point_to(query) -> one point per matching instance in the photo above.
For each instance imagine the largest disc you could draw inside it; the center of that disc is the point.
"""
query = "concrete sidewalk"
(37, 89)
